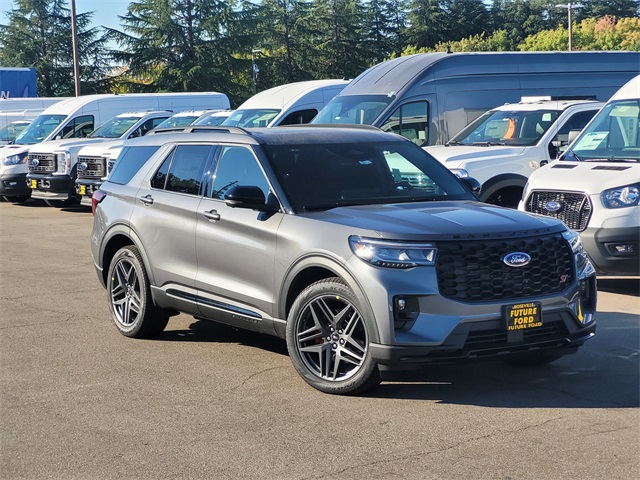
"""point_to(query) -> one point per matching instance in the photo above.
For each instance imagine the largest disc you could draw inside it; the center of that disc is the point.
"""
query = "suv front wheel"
(130, 302)
(328, 339)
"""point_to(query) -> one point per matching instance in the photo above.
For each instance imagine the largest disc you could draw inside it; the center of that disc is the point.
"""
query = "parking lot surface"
(80, 401)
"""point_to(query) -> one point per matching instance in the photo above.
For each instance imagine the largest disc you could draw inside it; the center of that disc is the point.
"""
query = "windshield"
(251, 118)
(177, 121)
(324, 176)
(9, 132)
(40, 129)
(353, 109)
(505, 127)
(613, 135)
(115, 128)
(212, 119)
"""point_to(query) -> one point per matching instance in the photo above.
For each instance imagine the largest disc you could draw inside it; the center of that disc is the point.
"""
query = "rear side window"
(129, 162)
(78, 127)
(182, 170)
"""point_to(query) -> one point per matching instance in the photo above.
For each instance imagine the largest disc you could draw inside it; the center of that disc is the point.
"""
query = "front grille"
(574, 212)
(110, 166)
(474, 271)
(91, 167)
(489, 340)
(41, 163)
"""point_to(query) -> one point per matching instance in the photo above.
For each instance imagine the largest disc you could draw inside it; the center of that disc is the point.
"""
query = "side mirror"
(473, 185)
(573, 134)
(247, 196)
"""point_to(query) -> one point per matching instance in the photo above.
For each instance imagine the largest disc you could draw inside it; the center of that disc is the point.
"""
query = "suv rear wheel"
(130, 302)
(328, 339)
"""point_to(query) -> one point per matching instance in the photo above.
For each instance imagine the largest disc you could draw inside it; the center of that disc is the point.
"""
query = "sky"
(105, 11)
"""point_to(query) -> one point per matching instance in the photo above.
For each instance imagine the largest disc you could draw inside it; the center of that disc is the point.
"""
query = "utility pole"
(74, 37)
(570, 6)
(254, 67)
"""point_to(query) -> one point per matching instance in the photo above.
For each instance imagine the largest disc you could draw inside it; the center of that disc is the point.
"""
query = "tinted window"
(147, 126)
(238, 166)
(129, 162)
(78, 127)
(160, 177)
(301, 116)
(187, 165)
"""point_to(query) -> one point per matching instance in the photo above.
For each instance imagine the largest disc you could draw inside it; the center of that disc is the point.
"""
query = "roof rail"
(541, 98)
(200, 129)
(359, 126)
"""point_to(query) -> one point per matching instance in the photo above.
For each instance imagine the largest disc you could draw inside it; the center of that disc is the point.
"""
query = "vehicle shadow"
(604, 373)
(35, 203)
(622, 286)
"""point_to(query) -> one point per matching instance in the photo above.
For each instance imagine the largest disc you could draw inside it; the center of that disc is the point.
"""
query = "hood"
(589, 177)
(439, 220)
(100, 149)
(57, 145)
(8, 150)
(463, 153)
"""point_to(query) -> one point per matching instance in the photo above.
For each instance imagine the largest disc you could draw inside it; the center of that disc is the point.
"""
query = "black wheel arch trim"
(501, 181)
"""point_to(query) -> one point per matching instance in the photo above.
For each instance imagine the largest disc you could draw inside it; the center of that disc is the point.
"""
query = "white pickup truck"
(595, 187)
(502, 147)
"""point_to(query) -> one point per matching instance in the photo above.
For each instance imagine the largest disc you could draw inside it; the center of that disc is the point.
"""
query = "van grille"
(574, 212)
(95, 167)
(473, 271)
(41, 163)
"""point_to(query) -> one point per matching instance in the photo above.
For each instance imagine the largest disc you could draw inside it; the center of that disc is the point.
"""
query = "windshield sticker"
(592, 140)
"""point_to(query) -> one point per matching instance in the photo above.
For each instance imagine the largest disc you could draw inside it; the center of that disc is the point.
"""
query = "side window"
(130, 160)
(577, 121)
(237, 166)
(182, 170)
(410, 120)
(301, 116)
(146, 126)
(78, 127)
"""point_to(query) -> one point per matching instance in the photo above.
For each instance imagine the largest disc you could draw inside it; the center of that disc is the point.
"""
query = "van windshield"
(353, 109)
(114, 128)
(9, 132)
(612, 136)
(506, 127)
(40, 129)
(251, 118)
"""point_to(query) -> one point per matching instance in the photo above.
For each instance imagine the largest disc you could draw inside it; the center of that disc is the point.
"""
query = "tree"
(384, 23)
(39, 35)
(181, 45)
(519, 18)
(467, 18)
(427, 23)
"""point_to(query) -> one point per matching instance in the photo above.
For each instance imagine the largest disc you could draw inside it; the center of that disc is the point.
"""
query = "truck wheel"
(132, 308)
(328, 339)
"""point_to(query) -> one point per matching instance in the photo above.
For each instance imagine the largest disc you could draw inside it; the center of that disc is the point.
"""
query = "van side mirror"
(473, 184)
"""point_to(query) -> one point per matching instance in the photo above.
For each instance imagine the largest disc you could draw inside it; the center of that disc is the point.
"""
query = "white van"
(595, 187)
(503, 146)
(76, 118)
(288, 104)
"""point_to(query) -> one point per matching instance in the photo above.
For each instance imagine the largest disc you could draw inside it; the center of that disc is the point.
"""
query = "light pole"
(254, 67)
(74, 41)
(570, 6)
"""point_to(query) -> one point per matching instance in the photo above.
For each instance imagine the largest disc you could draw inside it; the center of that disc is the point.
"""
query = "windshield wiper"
(487, 144)
(453, 142)
(612, 159)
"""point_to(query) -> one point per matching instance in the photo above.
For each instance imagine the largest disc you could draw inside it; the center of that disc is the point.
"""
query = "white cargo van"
(77, 118)
(503, 146)
(595, 187)
(288, 104)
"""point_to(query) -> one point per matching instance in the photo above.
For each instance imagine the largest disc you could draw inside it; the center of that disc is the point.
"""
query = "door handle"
(147, 199)
(212, 215)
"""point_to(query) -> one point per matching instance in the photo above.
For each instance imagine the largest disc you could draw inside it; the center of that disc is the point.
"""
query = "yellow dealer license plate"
(522, 316)
(34, 184)
(83, 190)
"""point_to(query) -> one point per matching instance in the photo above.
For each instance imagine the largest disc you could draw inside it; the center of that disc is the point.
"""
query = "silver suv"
(362, 251)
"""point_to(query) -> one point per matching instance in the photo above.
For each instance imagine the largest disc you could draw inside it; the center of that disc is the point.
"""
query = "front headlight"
(459, 172)
(621, 197)
(584, 267)
(16, 159)
(393, 254)
(63, 161)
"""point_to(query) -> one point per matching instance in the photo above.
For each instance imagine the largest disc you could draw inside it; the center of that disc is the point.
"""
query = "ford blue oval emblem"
(82, 167)
(35, 162)
(552, 206)
(516, 259)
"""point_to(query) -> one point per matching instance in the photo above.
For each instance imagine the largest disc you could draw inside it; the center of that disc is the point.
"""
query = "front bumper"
(50, 187)
(602, 245)
(14, 185)
(85, 188)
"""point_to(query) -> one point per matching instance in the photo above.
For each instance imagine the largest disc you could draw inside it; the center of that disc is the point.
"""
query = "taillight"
(96, 198)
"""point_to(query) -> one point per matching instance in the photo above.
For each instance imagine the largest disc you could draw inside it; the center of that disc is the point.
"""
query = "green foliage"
(39, 35)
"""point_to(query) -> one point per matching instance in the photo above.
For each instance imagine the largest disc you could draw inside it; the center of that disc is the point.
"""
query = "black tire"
(532, 359)
(328, 339)
(129, 293)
